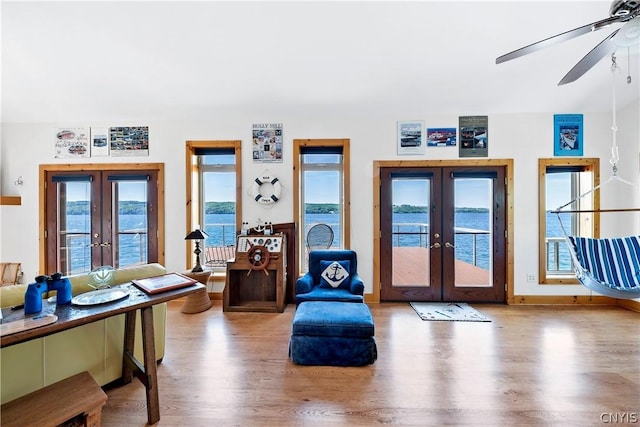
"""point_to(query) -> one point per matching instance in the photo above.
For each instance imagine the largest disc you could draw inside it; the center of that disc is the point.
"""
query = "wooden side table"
(199, 301)
(247, 289)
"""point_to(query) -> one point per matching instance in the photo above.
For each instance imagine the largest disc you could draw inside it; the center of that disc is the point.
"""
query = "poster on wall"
(411, 137)
(474, 131)
(72, 143)
(567, 134)
(99, 142)
(441, 137)
(267, 142)
(129, 141)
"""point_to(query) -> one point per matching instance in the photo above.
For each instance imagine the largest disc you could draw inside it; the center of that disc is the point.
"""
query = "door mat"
(447, 311)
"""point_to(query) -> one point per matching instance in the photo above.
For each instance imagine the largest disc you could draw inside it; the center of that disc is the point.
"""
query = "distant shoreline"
(133, 207)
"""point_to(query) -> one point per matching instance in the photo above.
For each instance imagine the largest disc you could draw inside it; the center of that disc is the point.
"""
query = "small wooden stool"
(199, 301)
(57, 403)
(9, 273)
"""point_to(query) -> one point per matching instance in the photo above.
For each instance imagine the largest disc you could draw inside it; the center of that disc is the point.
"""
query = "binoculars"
(35, 291)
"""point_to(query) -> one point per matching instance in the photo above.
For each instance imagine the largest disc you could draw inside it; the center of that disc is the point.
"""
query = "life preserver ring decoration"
(259, 182)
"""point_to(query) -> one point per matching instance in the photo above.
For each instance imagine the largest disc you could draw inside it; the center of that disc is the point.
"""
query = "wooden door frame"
(374, 297)
(42, 199)
(193, 202)
(298, 146)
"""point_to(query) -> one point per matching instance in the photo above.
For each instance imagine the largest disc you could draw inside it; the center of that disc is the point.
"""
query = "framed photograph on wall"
(568, 135)
(99, 142)
(411, 137)
(441, 137)
(129, 141)
(71, 143)
(267, 143)
(474, 136)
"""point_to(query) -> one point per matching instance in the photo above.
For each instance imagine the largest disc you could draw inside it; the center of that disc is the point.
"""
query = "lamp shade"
(196, 235)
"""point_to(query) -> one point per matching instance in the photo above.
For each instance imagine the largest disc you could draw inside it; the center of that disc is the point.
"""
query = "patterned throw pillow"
(334, 274)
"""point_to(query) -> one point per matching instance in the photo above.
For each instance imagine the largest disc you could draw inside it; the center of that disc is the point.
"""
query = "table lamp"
(197, 235)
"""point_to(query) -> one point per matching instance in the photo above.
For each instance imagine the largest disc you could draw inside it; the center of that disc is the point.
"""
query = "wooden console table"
(71, 316)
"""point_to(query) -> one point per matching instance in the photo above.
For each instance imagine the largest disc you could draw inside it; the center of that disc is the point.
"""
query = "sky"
(318, 190)
(128, 191)
(558, 186)
(471, 193)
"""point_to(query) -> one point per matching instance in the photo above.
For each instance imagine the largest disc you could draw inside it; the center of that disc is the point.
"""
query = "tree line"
(134, 207)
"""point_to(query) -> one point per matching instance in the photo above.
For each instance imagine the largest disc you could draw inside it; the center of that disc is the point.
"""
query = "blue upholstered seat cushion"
(334, 274)
(332, 318)
(319, 293)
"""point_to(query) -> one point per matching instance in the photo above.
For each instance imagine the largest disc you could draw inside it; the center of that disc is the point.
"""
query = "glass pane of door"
(473, 232)
(74, 227)
(410, 231)
(131, 230)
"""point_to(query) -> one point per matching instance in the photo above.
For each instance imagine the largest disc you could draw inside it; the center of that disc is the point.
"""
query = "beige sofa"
(95, 347)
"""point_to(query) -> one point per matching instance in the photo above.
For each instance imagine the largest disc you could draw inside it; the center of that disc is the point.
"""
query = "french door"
(100, 217)
(442, 234)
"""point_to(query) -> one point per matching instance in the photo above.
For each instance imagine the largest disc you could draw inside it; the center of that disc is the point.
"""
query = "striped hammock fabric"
(608, 266)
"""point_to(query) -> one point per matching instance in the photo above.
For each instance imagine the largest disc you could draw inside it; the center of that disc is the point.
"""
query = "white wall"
(522, 137)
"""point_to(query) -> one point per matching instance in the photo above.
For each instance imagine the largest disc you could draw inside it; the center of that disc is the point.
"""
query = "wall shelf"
(10, 200)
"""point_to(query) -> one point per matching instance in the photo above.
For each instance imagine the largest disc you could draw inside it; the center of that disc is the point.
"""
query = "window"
(321, 190)
(562, 181)
(213, 183)
(98, 215)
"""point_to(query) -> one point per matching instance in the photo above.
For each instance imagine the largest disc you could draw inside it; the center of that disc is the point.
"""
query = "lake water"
(221, 231)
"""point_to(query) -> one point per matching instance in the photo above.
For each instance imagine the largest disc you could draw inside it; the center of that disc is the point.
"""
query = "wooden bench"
(57, 403)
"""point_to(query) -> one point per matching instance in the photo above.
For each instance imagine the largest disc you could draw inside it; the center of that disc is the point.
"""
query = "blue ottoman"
(332, 333)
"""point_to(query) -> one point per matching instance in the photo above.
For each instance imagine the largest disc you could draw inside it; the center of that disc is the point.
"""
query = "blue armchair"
(332, 276)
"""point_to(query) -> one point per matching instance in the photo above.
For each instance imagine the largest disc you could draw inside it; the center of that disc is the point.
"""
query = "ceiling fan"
(621, 11)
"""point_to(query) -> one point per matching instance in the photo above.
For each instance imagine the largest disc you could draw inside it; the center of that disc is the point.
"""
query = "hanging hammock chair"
(608, 266)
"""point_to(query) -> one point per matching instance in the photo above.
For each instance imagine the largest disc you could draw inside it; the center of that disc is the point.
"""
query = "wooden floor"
(532, 365)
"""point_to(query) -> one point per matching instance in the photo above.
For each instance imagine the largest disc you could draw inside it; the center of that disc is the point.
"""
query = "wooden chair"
(9, 272)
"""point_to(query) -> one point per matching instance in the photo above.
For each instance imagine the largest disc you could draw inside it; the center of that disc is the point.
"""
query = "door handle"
(449, 245)
(436, 245)
(101, 244)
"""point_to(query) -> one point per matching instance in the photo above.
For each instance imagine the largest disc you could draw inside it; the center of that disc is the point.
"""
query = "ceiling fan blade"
(558, 38)
(604, 48)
